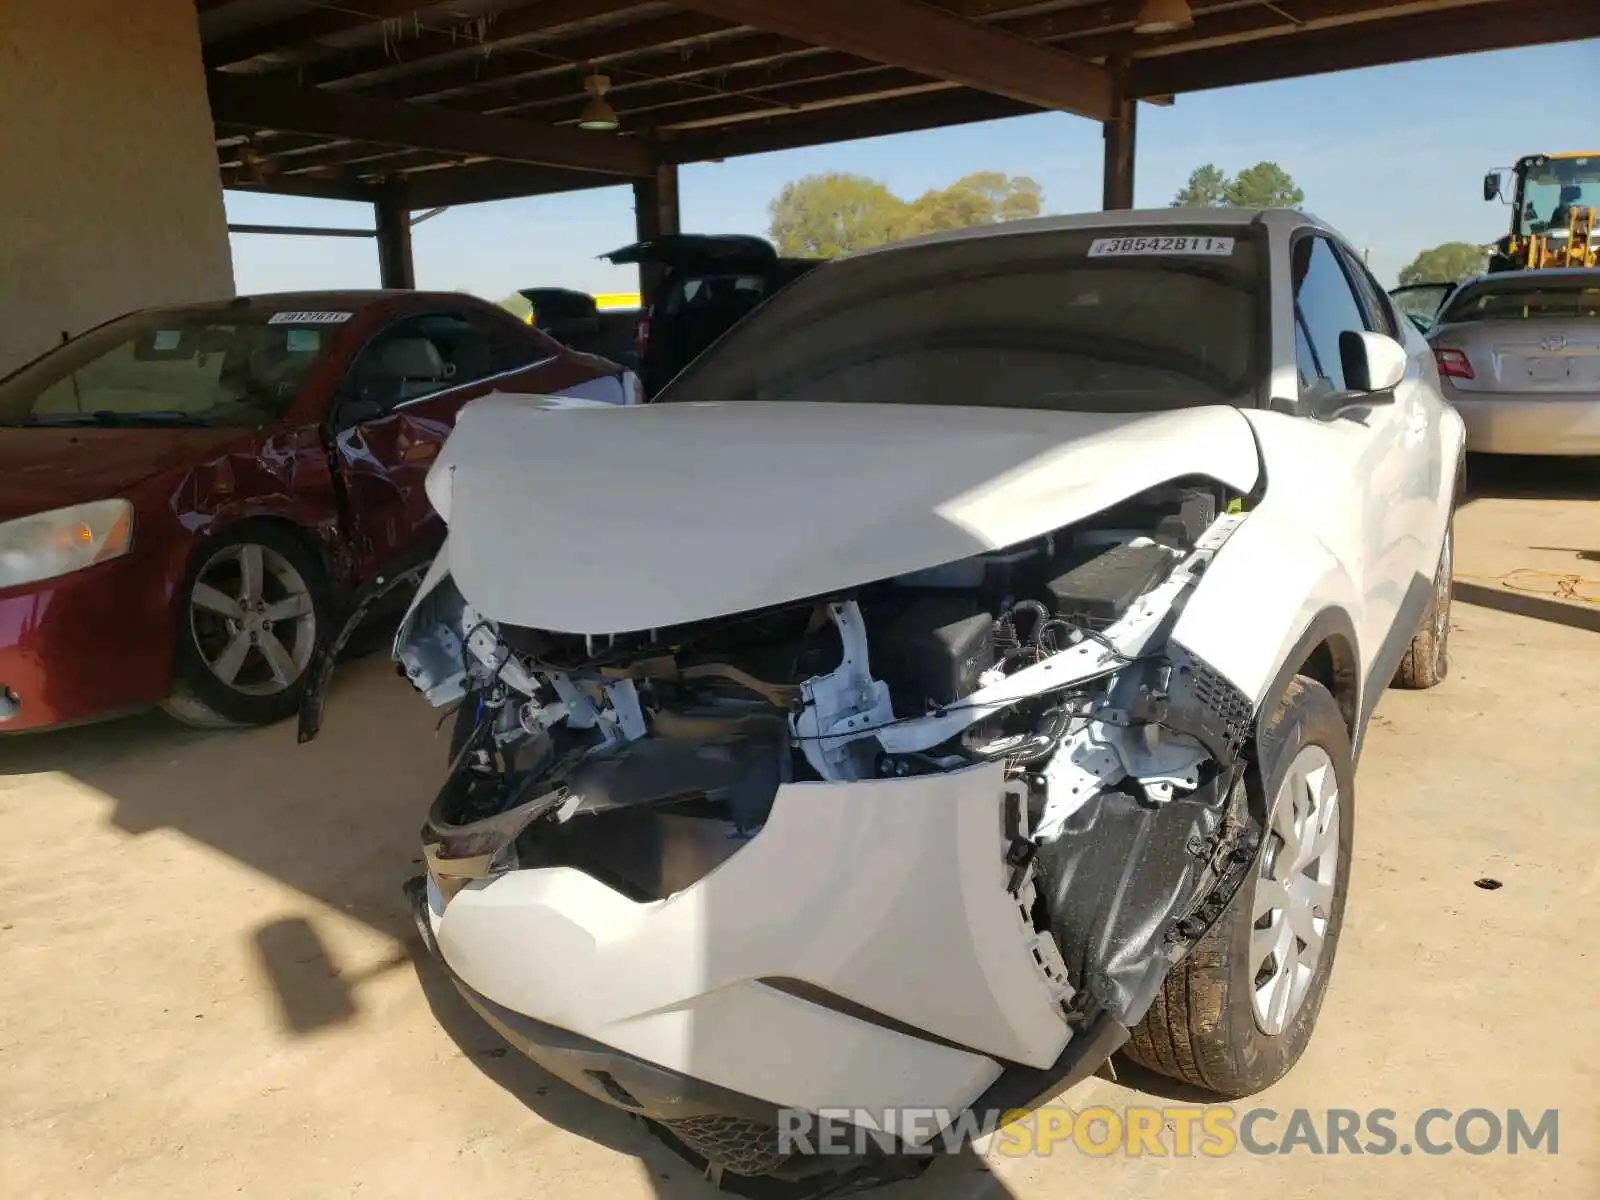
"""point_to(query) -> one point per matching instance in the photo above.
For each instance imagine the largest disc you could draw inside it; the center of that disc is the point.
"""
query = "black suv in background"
(706, 284)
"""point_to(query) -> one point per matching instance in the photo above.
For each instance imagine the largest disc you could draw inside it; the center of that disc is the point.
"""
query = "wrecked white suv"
(957, 673)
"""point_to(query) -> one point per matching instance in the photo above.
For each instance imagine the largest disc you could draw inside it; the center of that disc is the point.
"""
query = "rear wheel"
(1427, 658)
(1235, 1015)
(256, 601)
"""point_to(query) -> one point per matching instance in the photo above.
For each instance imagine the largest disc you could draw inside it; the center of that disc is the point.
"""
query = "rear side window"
(1373, 300)
(1525, 300)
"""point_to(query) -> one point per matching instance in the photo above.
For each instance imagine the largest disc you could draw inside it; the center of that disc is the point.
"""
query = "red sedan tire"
(256, 603)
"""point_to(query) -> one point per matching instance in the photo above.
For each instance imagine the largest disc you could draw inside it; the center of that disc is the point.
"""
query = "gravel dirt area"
(212, 986)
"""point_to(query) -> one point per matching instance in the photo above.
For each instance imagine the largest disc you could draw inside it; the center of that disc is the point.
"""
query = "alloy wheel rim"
(253, 619)
(1294, 893)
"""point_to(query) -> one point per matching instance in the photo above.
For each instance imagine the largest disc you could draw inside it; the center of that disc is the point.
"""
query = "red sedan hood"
(41, 469)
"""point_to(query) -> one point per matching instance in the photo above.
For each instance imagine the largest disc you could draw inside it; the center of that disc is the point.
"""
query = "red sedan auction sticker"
(309, 318)
(1115, 247)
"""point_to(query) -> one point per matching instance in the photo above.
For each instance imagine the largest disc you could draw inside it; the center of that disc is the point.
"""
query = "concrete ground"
(210, 985)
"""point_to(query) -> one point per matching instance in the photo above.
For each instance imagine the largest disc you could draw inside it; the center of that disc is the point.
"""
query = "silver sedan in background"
(1519, 358)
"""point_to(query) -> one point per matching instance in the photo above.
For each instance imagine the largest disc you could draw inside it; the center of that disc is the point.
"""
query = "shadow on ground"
(1521, 604)
(1523, 477)
(338, 820)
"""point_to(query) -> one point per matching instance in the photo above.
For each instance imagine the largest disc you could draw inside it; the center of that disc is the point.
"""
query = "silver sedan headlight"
(63, 540)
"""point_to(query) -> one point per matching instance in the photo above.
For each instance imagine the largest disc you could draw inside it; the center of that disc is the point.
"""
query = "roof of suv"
(1116, 219)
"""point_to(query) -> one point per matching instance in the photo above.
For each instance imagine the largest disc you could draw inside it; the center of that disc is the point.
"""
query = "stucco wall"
(109, 197)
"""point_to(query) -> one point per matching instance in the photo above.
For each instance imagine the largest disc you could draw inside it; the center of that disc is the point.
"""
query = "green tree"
(982, 198)
(1265, 185)
(1448, 263)
(1207, 188)
(830, 214)
(825, 215)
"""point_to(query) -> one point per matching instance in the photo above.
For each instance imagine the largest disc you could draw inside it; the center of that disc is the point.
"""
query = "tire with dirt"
(1235, 1015)
(255, 606)
(1427, 658)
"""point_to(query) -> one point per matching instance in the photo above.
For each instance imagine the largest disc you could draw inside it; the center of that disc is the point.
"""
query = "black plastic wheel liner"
(1122, 881)
(404, 571)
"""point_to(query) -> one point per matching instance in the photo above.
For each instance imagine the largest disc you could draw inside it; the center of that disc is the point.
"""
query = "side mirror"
(1491, 186)
(1374, 364)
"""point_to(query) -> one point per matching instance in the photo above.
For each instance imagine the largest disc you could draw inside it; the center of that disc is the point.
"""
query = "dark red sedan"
(189, 496)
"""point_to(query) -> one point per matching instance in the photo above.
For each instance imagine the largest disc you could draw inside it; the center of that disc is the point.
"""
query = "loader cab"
(703, 286)
(1554, 200)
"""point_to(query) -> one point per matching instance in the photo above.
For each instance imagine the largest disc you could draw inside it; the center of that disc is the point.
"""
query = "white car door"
(1367, 457)
(1431, 443)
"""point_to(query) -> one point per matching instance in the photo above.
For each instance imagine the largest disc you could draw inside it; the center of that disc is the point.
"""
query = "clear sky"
(1392, 157)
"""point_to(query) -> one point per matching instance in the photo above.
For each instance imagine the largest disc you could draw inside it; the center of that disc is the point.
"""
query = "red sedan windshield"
(206, 367)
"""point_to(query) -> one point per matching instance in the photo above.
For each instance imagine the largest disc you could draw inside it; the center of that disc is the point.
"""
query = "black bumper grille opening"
(736, 1144)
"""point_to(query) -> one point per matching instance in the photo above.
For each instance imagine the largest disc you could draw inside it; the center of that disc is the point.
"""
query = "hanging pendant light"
(598, 114)
(1163, 16)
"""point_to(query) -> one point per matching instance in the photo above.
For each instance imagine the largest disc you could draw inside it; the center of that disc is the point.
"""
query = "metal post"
(395, 268)
(1120, 133)
(655, 212)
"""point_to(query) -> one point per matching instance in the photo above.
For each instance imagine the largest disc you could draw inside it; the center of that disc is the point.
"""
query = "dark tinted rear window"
(1085, 320)
(1524, 300)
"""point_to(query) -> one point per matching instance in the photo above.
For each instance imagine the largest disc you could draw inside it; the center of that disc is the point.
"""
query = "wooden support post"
(395, 268)
(655, 212)
(1120, 133)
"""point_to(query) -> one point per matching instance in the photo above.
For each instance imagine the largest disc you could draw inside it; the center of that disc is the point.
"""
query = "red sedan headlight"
(63, 540)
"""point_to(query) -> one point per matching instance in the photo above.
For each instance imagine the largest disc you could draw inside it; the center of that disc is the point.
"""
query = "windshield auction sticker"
(309, 318)
(1118, 247)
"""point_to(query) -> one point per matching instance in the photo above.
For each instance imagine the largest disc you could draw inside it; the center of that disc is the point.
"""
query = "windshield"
(1541, 298)
(1107, 320)
(1553, 189)
(194, 367)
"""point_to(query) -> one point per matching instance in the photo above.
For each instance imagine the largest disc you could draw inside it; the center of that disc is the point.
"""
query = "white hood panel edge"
(610, 519)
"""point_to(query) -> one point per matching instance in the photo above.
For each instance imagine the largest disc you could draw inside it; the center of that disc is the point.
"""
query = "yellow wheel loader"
(1553, 200)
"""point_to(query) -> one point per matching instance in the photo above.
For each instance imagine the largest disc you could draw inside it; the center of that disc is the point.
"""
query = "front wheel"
(1236, 1014)
(255, 605)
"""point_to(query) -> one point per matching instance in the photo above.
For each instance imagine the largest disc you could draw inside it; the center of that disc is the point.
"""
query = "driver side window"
(1324, 307)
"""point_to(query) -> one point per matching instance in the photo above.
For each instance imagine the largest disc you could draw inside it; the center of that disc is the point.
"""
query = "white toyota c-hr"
(956, 675)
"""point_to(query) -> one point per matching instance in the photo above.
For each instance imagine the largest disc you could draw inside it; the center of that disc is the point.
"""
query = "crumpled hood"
(612, 519)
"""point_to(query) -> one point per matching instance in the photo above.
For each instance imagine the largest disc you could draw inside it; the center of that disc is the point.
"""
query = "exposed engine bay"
(646, 759)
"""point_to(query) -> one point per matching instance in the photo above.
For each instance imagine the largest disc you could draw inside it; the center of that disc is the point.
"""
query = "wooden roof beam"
(1493, 25)
(787, 132)
(670, 66)
(1233, 26)
(303, 29)
(599, 49)
(504, 34)
(748, 84)
(262, 104)
(478, 182)
(916, 37)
